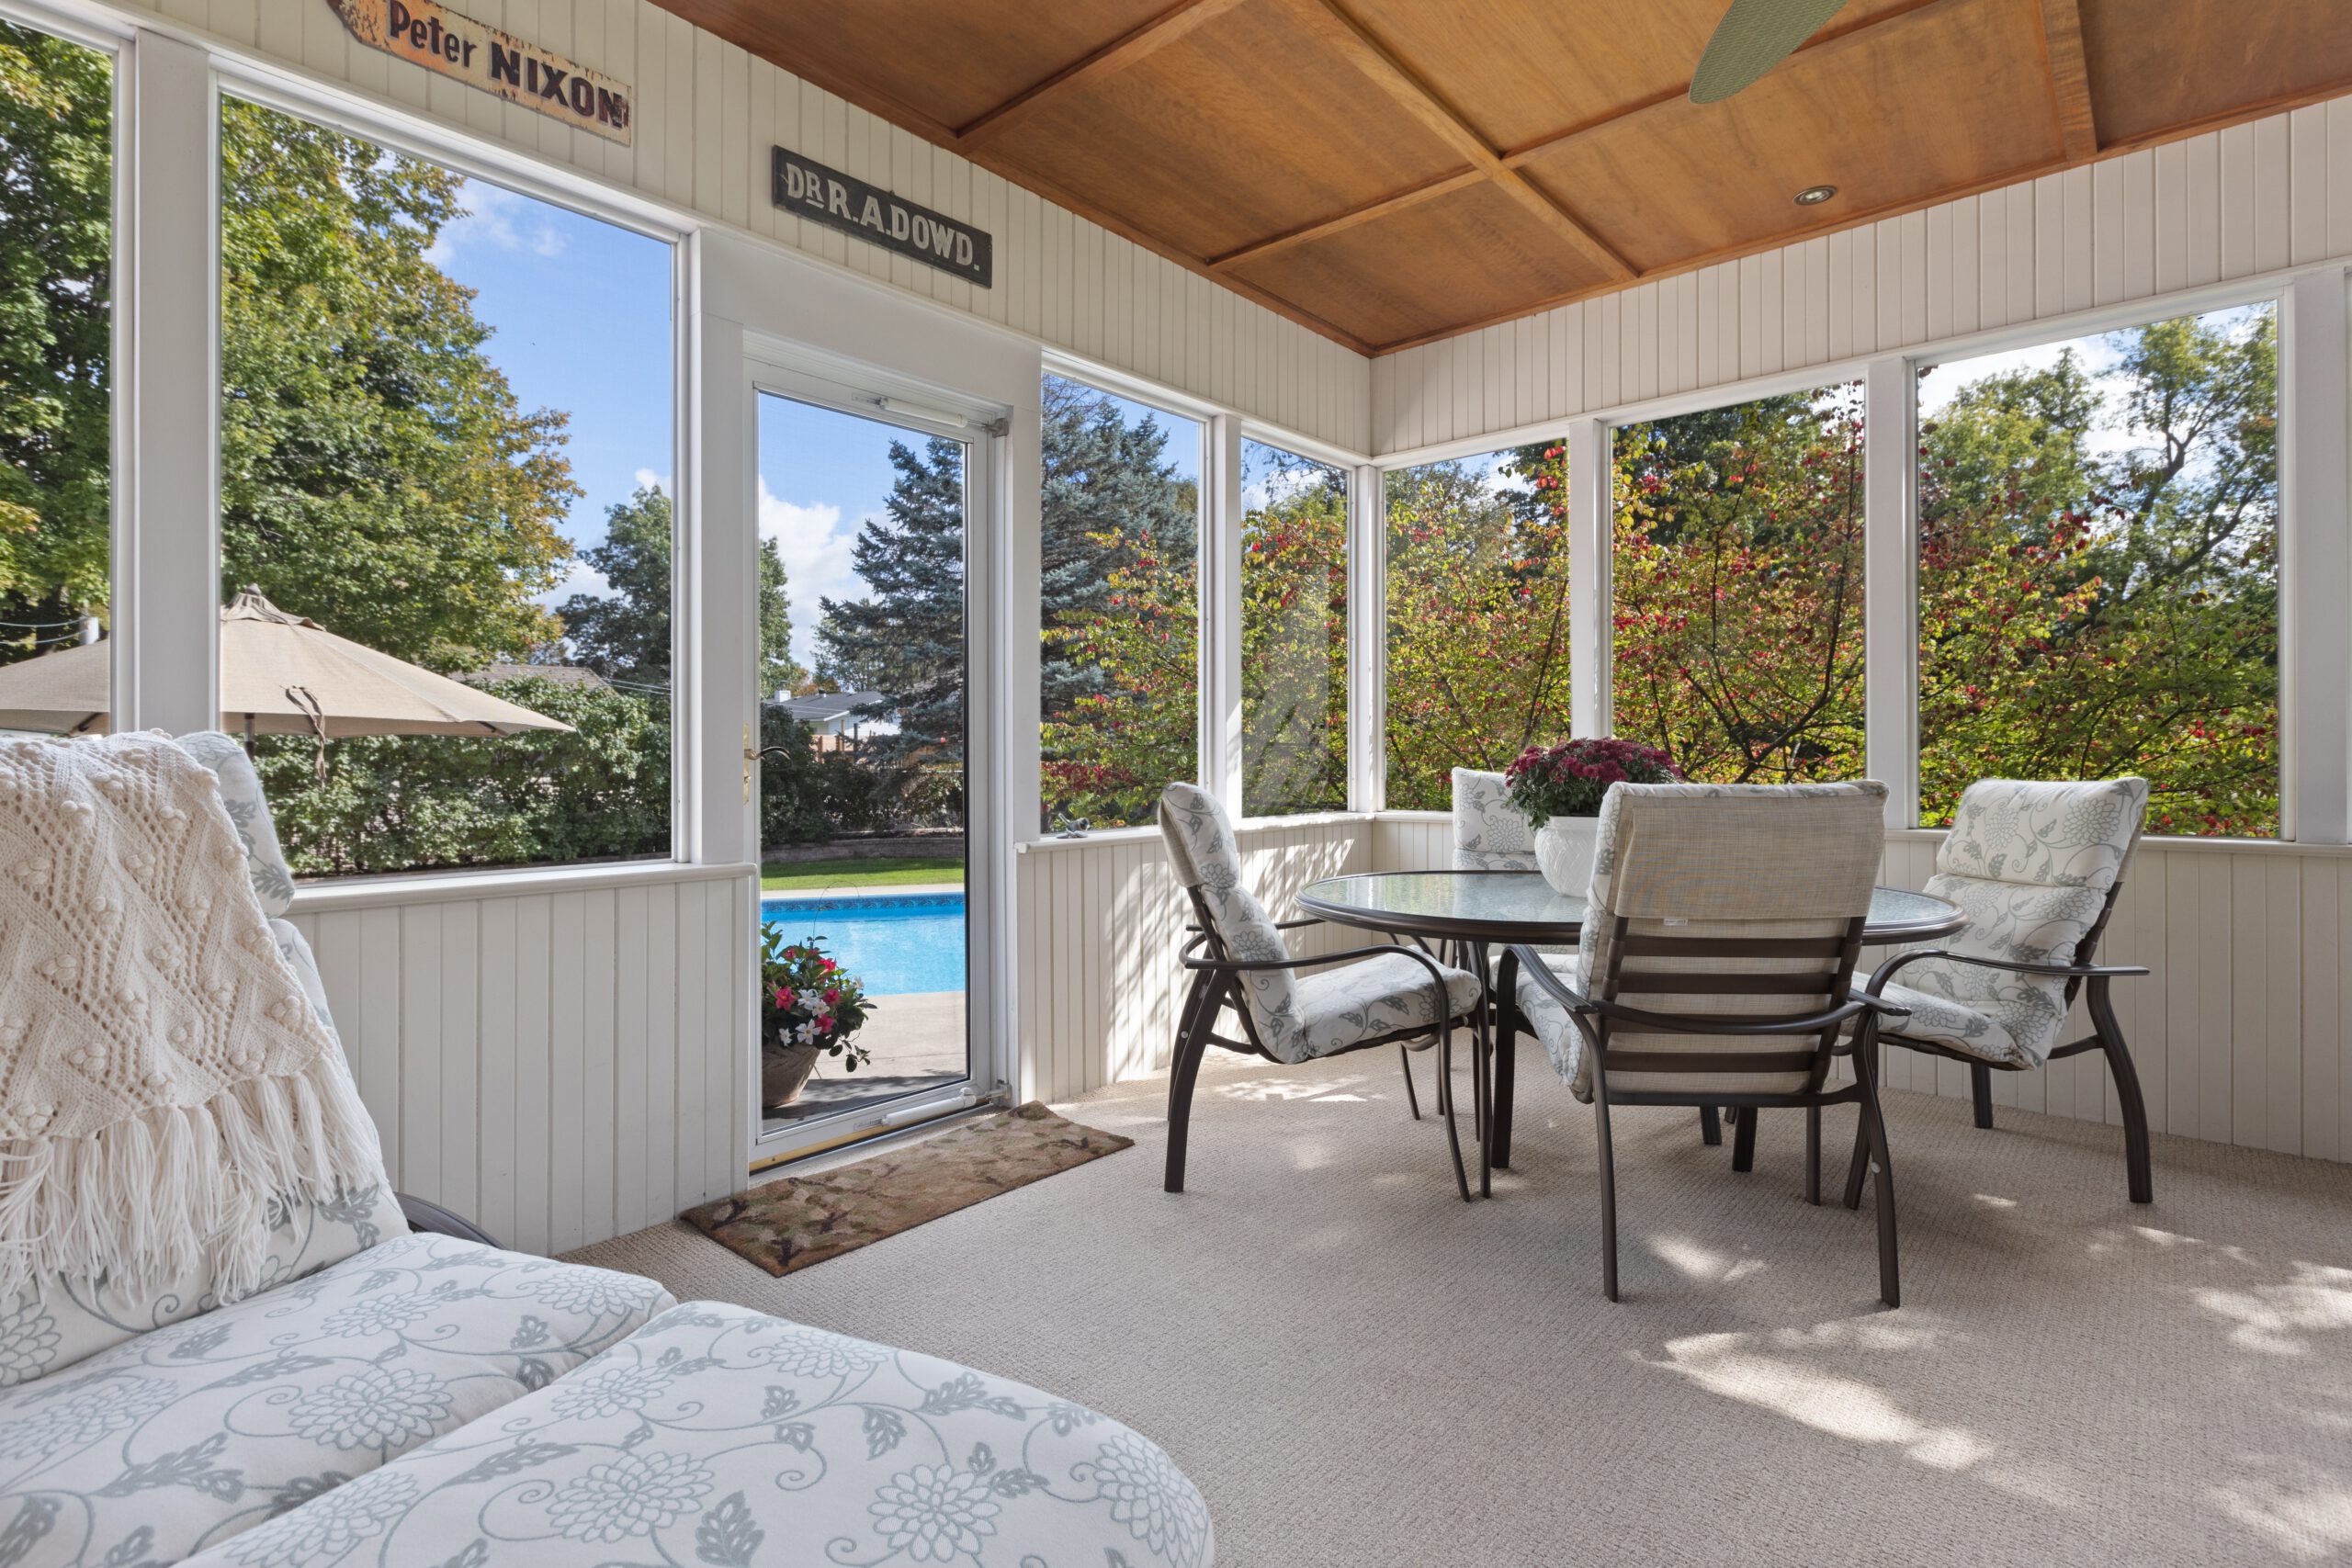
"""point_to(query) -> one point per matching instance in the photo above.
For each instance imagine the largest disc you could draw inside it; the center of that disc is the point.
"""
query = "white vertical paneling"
(1099, 984)
(530, 1059)
(706, 114)
(2246, 200)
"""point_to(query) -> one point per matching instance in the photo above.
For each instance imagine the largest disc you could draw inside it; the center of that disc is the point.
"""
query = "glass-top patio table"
(1483, 908)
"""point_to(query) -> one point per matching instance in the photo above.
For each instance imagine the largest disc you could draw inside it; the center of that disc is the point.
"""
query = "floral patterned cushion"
(48, 1330)
(1548, 1020)
(196, 1434)
(1489, 832)
(1202, 849)
(2031, 865)
(1349, 1003)
(722, 1435)
(240, 792)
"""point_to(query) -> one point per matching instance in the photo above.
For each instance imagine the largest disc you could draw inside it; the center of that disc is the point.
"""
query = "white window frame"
(2315, 534)
(1216, 757)
(1249, 430)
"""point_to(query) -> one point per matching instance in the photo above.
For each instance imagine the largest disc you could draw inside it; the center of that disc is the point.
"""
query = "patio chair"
(1489, 834)
(1716, 968)
(2036, 868)
(1239, 958)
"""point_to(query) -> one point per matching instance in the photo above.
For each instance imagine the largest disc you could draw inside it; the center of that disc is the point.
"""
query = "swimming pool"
(895, 944)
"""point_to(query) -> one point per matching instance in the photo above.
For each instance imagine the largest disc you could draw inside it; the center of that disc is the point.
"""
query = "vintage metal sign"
(842, 201)
(438, 38)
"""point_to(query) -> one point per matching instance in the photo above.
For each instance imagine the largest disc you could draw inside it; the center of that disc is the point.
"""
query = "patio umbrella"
(280, 674)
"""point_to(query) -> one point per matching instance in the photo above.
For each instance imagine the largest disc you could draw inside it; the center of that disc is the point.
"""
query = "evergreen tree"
(906, 637)
(625, 635)
(1103, 477)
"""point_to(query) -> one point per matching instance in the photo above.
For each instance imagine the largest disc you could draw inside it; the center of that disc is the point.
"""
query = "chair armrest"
(1885, 971)
(433, 1220)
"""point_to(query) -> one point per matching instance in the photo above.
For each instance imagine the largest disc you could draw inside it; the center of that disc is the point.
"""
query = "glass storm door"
(864, 661)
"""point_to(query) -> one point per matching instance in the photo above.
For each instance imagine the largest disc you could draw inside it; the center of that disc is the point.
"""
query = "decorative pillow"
(249, 809)
(1202, 849)
(1489, 832)
(45, 1330)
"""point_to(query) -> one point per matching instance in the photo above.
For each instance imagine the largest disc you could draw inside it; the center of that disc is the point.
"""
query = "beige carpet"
(1358, 1370)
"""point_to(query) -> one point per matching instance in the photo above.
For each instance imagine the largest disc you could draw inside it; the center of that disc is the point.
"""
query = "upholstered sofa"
(423, 1400)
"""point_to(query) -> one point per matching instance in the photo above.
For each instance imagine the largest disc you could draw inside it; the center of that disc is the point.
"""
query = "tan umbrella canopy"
(280, 674)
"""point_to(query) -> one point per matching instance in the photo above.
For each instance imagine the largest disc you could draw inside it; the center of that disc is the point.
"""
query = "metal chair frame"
(2107, 1036)
(1217, 984)
(1597, 1018)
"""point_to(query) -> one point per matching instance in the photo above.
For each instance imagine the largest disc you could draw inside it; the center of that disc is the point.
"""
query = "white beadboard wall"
(1101, 922)
(707, 113)
(561, 1066)
(2252, 200)
(2242, 1033)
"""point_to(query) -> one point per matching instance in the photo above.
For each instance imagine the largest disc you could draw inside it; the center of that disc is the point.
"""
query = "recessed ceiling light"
(1813, 196)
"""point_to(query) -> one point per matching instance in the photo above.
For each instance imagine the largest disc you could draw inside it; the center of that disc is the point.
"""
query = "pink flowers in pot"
(807, 1000)
(1569, 779)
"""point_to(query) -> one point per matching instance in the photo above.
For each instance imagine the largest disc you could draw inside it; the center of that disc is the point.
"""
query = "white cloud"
(648, 480)
(581, 579)
(499, 220)
(816, 546)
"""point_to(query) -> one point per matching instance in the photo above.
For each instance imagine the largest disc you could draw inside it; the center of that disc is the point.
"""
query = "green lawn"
(881, 871)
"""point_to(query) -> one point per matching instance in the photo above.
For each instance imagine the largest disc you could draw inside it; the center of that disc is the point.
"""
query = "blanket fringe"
(182, 1191)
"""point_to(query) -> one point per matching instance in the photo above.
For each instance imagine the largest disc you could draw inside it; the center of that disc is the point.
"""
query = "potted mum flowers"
(1560, 788)
(809, 1007)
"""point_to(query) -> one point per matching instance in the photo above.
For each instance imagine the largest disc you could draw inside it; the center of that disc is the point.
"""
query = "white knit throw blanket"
(162, 1077)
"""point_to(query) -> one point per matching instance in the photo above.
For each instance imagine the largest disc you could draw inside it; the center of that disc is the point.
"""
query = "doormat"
(799, 1219)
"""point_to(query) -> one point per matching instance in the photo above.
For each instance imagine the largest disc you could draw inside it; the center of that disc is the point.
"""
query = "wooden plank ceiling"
(1388, 172)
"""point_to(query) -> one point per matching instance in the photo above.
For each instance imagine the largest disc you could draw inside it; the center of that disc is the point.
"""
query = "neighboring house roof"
(560, 674)
(818, 706)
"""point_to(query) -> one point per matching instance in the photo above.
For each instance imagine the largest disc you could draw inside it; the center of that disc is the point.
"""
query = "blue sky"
(579, 310)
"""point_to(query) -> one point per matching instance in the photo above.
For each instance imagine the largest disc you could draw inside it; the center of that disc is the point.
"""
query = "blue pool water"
(895, 944)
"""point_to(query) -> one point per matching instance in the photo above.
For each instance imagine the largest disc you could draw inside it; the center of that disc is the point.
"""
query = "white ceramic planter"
(1564, 847)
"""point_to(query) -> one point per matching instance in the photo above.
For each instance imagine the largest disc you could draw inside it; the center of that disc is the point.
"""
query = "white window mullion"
(167, 534)
(1221, 613)
(1367, 641)
(2315, 559)
(1589, 591)
(1890, 587)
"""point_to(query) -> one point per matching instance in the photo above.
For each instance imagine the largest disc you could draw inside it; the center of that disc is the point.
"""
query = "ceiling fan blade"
(1754, 37)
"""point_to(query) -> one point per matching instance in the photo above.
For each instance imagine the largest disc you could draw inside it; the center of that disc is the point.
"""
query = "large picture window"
(56, 318)
(2098, 569)
(1120, 605)
(1477, 617)
(1737, 581)
(447, 535)
(1294, 633)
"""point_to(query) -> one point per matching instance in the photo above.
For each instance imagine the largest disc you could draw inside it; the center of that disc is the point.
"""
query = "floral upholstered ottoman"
(718, 1435)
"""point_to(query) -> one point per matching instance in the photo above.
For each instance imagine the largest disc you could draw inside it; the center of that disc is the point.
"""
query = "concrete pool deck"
(917, 1039)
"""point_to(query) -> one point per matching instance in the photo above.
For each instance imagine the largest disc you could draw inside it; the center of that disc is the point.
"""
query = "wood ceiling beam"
(1061, 197)
(1138, 44)
(1372, 57)
(1339, 222)
(1827, 43)
(2070, 79)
